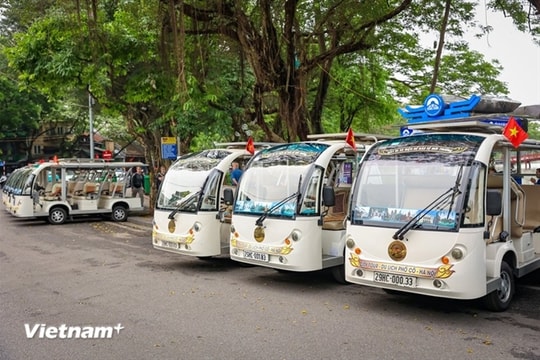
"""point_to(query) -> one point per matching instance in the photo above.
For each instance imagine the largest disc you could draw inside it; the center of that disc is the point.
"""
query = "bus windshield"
(273, 176)
(415, 181)
(182, 185)
(22, 183)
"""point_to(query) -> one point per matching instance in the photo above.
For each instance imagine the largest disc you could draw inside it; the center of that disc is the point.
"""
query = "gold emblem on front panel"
(172, 226)
(258, 233)
(397, 250)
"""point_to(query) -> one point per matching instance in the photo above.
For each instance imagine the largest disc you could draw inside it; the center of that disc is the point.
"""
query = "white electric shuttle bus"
(190, 217)
(60, 190)
(451, 211)
(13, 184)
(279, 218)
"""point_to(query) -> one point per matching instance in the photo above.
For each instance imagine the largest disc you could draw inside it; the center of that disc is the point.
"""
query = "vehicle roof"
(358, 137)
(474, 125)
(86, 163)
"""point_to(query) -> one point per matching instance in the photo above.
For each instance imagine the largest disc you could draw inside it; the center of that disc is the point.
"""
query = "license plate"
(256, 256)
(400, 280)
(169, 244)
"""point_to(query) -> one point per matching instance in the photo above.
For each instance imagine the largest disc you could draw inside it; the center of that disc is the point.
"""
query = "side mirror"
(329, 196)
(228, 196)
(493, 203)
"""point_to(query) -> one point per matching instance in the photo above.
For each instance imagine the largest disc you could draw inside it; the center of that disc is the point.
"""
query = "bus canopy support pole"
(91, 120)
(507, 174)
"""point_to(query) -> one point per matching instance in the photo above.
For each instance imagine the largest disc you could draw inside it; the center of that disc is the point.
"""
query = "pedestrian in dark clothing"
(160, 176)
(137, 182)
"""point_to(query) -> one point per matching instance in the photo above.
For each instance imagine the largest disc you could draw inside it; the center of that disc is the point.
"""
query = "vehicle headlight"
(197, 226)
(296, 235)
(458, 253)
(350, 242)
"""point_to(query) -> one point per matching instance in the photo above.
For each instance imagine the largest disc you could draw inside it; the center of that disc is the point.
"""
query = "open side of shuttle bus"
(67, 188)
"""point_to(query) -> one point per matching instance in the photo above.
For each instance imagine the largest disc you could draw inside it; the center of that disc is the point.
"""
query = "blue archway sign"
(435, 108)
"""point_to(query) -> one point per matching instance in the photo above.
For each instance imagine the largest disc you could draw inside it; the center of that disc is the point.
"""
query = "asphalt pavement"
(143, 217)
(99, 275)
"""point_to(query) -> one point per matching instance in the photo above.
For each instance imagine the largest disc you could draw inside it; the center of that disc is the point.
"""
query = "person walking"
(137, 182)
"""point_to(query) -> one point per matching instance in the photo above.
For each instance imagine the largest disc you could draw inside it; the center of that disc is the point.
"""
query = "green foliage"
(358, 97)
(475, 75)
(523, 14)
(534, 130)
(405, 54)
(20, 111)
(201, 88)
(218, 90)
(49, 55)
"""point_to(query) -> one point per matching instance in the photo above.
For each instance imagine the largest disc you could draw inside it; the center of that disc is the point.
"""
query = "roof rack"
(476, 114)
(358, 137)
(480, 123)
(241, 145)
(78, 160)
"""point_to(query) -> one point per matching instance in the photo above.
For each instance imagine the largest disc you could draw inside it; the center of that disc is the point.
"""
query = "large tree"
(289, 45)
(21, 113)
(177, 68)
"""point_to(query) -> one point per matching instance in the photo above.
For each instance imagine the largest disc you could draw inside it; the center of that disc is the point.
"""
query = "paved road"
(97, 273)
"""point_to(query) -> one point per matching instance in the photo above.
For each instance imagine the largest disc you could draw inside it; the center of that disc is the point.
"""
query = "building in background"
(58, 140)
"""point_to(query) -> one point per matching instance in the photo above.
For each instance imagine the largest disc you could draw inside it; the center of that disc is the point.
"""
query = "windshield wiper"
(181, 204)
(259, 221)
(455, 190)
(449, 194)
(400, 233)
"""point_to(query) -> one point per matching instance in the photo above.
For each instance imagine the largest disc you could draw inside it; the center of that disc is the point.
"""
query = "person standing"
(236, 173)
(537, 180)
(160, 176)
(137, 182)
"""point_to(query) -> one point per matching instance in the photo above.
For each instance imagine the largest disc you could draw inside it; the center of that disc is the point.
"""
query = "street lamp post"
(91, 115)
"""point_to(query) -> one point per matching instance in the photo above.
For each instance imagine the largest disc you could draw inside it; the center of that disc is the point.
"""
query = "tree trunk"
(292, 108)
(440, 47)
(320, 97)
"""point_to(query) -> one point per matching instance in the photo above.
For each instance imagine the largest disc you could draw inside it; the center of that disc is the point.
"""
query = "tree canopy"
(222, 70)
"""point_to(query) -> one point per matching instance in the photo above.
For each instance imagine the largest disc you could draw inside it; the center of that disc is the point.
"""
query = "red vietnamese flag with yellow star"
(250, 146)
(514, 132)
(350, 139)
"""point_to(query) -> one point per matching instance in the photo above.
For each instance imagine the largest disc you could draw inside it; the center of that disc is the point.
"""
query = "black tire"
(119, 213)
(57, 216)
(500, 299)
(338, 273)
